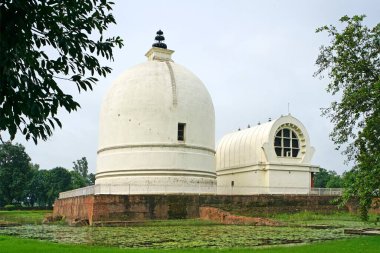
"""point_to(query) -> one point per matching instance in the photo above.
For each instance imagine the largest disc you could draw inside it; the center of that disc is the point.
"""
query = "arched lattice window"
(286, 143)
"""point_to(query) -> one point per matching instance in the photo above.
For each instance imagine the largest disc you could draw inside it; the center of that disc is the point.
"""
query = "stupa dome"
(157, 128)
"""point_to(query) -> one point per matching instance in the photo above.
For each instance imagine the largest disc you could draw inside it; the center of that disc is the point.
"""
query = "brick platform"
(95, 208)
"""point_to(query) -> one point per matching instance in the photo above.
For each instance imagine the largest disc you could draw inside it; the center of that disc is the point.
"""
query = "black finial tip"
(160, 38)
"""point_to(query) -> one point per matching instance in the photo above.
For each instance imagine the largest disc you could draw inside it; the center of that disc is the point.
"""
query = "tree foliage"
(327, 179)
(37, 191)
(352, 62)
(91, 178)
(14, 172)
(31, 191)
(22, 182)
(81, 167)
(59, 181)
(77, 181)
(43, 46)
(80, 176)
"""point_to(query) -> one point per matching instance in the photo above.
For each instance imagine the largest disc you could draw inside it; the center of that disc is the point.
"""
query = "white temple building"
(157, 130)
(157, 136)
(274, 157)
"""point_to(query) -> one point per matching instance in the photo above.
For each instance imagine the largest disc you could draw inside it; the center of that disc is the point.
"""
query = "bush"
(9, 207)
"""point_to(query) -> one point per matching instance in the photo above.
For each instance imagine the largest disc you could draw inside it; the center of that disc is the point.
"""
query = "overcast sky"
(254, 57)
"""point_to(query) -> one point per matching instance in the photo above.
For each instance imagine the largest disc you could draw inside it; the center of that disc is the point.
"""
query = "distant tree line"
(24, 183)
(328, 179)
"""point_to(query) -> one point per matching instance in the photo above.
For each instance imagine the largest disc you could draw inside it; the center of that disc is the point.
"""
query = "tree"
(14, 172)
(352, 62)
(327, 179)
(81, 167)
(59, 180)
(39, 187)
(321, 178)
(45, 186)
(91, 178)
(44, 45)
(30, 191)
(77, 181)
(335, 181)
(80, 176)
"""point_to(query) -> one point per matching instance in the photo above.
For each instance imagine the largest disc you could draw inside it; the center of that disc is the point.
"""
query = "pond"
(167, 236)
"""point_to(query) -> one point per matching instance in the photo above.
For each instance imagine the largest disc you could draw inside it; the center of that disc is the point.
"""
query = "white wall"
(138, 142)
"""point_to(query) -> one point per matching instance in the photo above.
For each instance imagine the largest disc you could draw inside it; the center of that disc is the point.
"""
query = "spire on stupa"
(159, 50)
(159, 40)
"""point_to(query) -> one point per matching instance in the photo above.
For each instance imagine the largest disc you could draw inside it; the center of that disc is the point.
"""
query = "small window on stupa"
(181, 131)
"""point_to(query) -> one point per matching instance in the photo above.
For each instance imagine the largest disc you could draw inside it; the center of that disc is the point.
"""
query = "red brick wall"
(80, 208)
(143, 207)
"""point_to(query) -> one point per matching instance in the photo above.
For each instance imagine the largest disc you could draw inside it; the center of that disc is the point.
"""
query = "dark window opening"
(286, 143)
(181, 131)
(278, 151)
(295, 143)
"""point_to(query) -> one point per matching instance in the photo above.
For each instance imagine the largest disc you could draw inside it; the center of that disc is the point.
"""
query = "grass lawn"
(24, 217)
(342, 219)
(366, 244)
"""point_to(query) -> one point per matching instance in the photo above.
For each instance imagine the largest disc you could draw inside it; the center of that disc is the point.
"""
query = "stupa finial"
(160, 38)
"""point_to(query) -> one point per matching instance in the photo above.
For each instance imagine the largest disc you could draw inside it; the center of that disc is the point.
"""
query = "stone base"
(98, 208)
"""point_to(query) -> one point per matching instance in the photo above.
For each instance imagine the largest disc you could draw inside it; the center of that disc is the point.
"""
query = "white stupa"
(157, 130)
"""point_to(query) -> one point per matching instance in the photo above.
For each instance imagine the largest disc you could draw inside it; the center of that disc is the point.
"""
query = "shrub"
(9, 207)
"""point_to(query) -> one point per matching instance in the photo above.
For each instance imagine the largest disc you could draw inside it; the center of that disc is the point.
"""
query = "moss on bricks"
(177, 207)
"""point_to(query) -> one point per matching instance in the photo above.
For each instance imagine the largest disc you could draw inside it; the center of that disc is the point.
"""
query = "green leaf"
(352, 64)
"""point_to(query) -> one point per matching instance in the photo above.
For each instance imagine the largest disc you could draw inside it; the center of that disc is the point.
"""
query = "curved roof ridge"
(239, 148)
(253, 145)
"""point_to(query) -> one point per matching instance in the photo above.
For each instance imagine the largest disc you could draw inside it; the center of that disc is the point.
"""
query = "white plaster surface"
(138, 127)
(248, 158)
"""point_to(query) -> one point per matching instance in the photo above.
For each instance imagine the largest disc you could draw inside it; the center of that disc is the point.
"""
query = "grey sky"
(254, 57)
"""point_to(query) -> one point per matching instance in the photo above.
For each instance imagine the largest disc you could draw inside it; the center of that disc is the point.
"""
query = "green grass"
(356, 245)
(339, 219)
(306, 215)
(23, 217)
